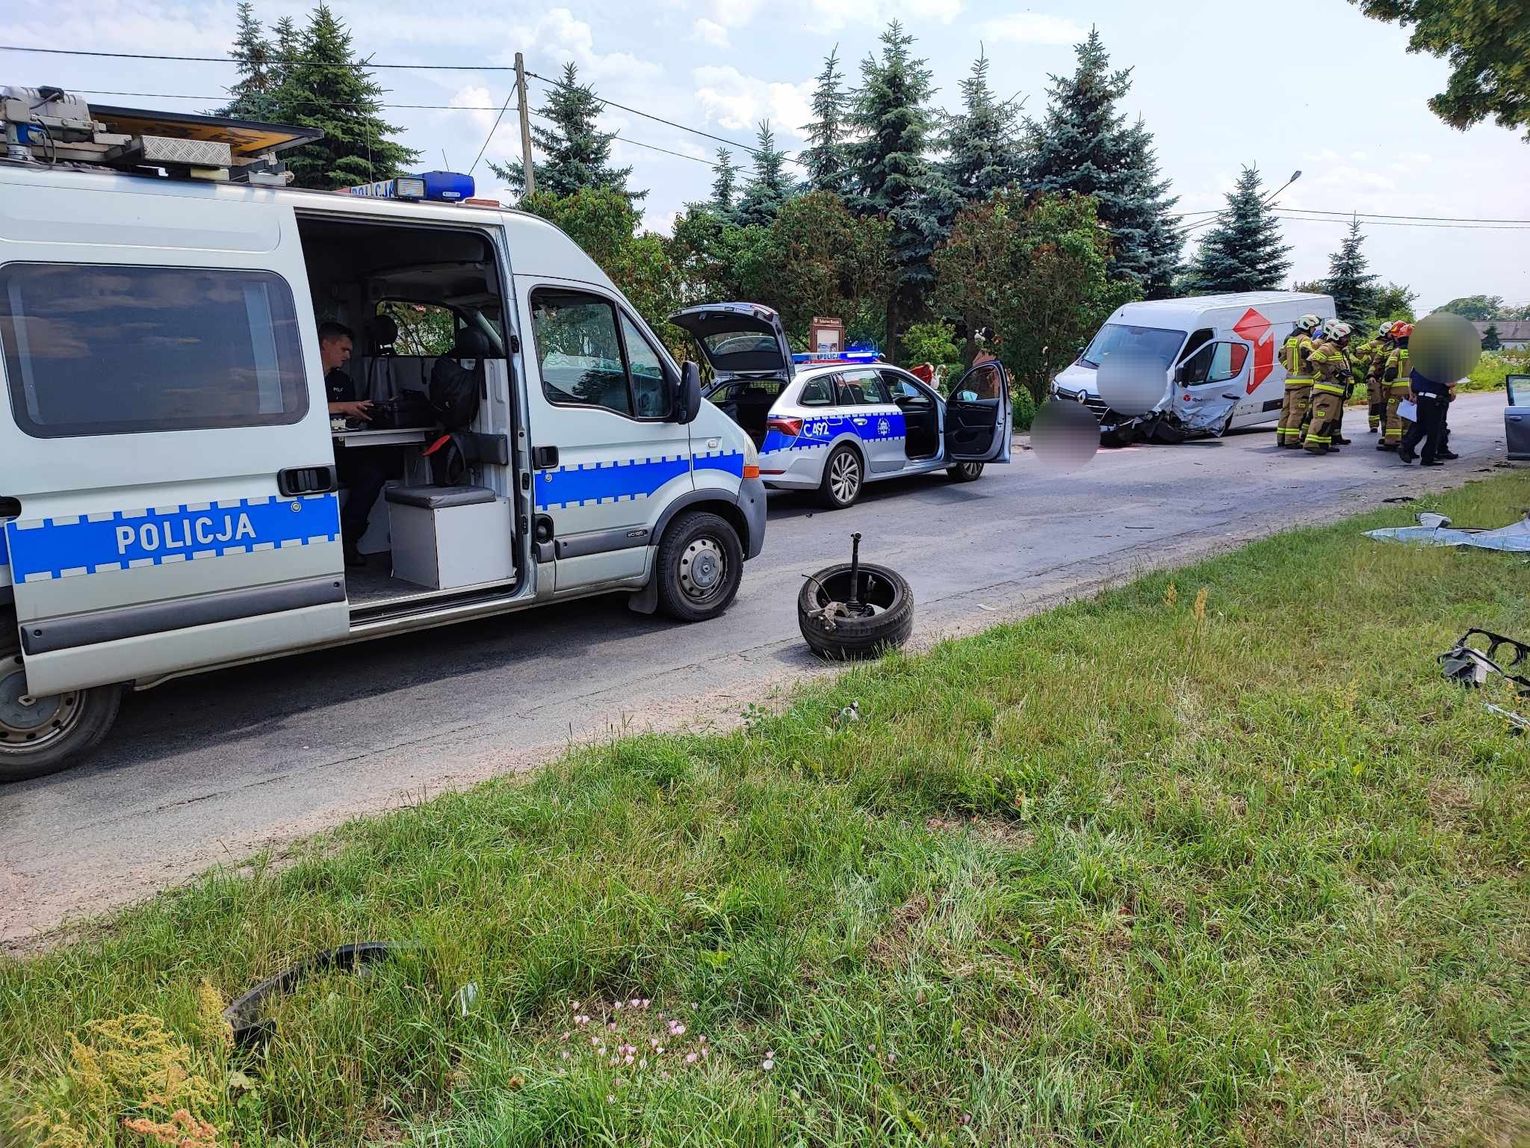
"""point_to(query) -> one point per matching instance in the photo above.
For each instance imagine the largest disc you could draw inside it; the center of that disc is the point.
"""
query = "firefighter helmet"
(1401, 329)
(1335, 330)
(1308, 323)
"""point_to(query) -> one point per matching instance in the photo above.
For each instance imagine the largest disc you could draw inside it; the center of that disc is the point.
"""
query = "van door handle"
(298, 480)
(544, 457)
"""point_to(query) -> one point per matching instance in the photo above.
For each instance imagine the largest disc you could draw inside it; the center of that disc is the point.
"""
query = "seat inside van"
(411, 296)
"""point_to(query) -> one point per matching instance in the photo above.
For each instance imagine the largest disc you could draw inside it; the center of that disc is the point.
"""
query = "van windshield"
(1151, 344)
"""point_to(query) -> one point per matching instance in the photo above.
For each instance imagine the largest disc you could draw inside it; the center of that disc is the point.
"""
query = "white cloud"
(710, 32)
(732, 13)
(831, 15)
(733, 100)
(1033, 28)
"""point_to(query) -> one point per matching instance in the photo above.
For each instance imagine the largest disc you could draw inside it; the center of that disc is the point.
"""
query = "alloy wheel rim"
(845, 477)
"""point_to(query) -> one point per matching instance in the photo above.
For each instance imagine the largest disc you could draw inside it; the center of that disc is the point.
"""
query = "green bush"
(1493, 366)
(1024, 407)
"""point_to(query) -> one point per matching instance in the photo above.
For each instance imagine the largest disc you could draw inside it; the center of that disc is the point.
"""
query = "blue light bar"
(839, 357)
(433, 186)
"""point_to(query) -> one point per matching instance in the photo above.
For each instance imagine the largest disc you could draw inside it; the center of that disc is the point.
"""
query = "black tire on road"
(965, 471)
(842, 638)
(1119, 438)
(699, 566)
(39, 736)
(844, 477)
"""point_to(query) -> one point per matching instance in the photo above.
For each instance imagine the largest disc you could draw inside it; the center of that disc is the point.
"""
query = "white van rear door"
(166, 435)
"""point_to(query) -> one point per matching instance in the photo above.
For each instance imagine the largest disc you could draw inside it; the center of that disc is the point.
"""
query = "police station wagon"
(833, 425)
(169, 499)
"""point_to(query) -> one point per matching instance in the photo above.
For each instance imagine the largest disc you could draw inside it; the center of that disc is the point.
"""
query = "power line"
(1507, 226)
(226, 96)
(368, 64)
(1369, 216)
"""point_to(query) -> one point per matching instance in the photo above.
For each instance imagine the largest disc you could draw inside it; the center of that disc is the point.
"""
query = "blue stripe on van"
(49, 548)
(636, 478)
(727, 463)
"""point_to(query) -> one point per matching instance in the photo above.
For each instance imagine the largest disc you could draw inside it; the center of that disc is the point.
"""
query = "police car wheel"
(699, 566)
(836, 631)
(843, 476)
(42, 735)
(965, 471)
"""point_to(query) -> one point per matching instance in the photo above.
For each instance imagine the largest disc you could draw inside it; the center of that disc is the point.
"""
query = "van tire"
(965, 471)
(81, 720)
(699, 566)
(844, 477)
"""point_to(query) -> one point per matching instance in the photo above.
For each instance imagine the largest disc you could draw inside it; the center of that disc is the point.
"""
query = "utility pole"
(520, 97)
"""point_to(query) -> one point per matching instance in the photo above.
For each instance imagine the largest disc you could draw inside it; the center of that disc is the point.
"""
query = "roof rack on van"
(48, 125)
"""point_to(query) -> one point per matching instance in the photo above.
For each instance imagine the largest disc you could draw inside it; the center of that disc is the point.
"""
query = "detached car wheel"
(880, 619)
(843, 476)
(42, 735)
(699, 566)
(965, 471)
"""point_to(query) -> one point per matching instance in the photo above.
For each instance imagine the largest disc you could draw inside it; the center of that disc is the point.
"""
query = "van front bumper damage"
(1186, 419)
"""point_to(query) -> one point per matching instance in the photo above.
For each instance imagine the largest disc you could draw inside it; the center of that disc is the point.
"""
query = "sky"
(1307, 85)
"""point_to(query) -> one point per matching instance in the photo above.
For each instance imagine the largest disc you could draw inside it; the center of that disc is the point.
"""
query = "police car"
(834, 424)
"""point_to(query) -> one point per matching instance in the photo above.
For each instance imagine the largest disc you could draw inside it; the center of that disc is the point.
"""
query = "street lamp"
(1269, 199)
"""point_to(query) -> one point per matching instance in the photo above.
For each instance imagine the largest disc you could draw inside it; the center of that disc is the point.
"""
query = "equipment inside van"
(168, 463)
(1199, 366)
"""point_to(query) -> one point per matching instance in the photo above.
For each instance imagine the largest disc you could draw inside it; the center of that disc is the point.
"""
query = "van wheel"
(843, 476)
(965, 471)
(700, 564)
(39, 736)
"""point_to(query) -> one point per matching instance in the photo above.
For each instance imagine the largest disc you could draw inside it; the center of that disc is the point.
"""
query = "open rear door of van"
(165, 435)
(978, 425)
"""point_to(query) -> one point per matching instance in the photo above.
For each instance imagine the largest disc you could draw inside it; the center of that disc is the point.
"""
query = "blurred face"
(334, 352)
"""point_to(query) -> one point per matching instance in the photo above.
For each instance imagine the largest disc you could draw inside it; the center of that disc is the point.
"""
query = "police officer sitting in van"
(363, 470)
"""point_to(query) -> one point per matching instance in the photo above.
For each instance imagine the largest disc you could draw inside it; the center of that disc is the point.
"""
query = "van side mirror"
(688, 394)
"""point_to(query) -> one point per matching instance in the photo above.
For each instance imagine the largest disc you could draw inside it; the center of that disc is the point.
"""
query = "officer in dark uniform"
(363, 470)
(1427, 435)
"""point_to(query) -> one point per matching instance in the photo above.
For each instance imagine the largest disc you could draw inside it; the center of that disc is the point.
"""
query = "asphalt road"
(208, 770)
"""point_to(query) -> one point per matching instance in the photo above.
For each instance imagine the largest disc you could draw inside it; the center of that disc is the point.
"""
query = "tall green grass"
(1217, 858)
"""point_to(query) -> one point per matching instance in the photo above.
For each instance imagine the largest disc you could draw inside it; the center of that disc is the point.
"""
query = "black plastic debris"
(250, 1028)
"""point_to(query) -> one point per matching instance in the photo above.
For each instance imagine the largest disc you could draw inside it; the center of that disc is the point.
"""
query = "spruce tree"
(826, 158)
(578, 154)
(1085, 145)
(1352, 287)
(325, 87)
(1242, 251)
(1491, 339)
(768, 188)
(260, 71)
(724, 183)
(982, 141)
(892, 176)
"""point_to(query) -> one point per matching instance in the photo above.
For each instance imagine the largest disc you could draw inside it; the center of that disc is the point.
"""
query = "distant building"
(1514, 334)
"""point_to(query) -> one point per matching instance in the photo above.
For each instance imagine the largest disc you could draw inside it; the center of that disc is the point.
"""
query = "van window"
(425, 329)
(95, 350)
(583, 358)
(1153, 346)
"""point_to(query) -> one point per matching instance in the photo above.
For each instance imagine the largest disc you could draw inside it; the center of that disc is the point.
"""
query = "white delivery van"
(168, 490)
(1219, 356)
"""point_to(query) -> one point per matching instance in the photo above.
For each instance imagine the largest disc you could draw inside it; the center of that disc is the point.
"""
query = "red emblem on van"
(1255, 328)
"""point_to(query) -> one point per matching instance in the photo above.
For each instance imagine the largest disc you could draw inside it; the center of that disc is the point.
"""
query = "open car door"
(978, 418)
(1209, 384)
(1516, 417)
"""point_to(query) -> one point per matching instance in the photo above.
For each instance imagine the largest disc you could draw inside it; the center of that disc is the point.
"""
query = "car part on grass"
(855, 609)
(1473, 667)
(250, 1028)
(1436, 530)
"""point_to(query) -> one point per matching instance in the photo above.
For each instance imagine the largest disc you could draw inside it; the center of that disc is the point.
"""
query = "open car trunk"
(745, 346)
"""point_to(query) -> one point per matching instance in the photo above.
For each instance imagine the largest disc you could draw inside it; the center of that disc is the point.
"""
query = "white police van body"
(1219, 357)
(833, 425)
(167, 493)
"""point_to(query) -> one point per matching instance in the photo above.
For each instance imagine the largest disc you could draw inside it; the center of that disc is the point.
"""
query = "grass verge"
(1206, 860)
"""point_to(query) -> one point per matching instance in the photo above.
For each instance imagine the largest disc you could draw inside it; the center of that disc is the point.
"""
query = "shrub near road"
(1195, 862)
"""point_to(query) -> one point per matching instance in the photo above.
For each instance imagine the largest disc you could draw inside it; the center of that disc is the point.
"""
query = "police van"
(168, 460)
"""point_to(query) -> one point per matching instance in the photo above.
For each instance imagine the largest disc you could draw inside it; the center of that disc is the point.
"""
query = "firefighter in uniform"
(1296, 357)
(1375, 354)
(1330, 383)
(1394, 376)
